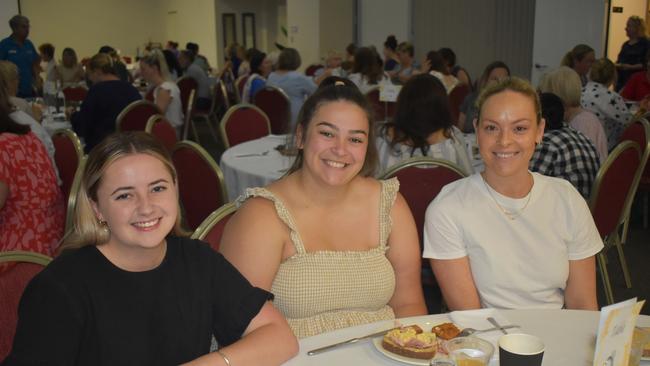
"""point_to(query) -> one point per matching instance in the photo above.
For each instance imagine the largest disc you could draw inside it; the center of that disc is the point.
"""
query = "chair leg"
(604, 275)
(645, 209)
(621, 257)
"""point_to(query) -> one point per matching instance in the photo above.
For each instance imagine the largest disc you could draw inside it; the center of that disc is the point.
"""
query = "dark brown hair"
(335, 93)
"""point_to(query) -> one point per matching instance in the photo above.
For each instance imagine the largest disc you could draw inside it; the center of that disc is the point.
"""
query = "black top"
(104, 101)
(631, 54)
(83, 310)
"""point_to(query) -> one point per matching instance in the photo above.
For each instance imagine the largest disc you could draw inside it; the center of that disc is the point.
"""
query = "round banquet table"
(569, 337)
(261, 165)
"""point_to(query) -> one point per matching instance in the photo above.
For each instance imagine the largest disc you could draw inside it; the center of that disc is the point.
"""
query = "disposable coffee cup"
(520, 350)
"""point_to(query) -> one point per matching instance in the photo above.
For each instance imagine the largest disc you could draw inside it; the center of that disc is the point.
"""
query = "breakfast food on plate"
(446, 331)
(411, 341)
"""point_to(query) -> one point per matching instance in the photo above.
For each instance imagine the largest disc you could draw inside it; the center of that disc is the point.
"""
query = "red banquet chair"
(610, 196)
(67, 156)
(420, 181)
(75, 93)
(311, 69)
(243, 122)
(639, 132)
(134, 116)
(211, 229)
(275, 103)
(162, 130)
(201, 184)
(17, 268)
(456, 98)
(382, 110)
(239, 85)
(186, 84)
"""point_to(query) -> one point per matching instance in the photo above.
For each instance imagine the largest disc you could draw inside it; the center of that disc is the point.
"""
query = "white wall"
(86, 25)
(553, 39)
(190, 21)
(8, 8)
(336, 25)
(380, 18)
(303, 23)
(617, 23)
(267, 19)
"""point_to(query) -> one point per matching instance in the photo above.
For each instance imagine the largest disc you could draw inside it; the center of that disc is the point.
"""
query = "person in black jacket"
(106, 98)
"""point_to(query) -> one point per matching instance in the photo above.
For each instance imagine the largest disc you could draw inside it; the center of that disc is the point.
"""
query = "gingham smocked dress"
(327, 290)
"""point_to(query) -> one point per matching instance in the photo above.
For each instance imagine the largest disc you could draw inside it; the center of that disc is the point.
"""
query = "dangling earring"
(104, 227)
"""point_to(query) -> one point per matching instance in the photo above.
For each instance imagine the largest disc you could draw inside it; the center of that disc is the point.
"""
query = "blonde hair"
(563, 82)
(8, 74)
(155, 58)
(639, 24)
(576, 54)
(87, 230)
(603, 71)
(514, 84)
(102, 62)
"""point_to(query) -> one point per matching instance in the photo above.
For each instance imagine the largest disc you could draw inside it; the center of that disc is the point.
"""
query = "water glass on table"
(466, 351)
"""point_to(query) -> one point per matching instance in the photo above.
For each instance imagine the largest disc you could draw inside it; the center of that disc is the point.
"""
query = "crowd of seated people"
(515, 233)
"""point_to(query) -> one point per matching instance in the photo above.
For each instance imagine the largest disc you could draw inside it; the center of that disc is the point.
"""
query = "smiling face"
(137, 198)
(335, 143)
(507, 131)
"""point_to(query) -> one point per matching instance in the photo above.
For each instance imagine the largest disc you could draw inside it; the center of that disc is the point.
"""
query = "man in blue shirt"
(18, 49)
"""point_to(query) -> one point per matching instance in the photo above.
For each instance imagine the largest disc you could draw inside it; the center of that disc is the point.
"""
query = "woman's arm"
(253, 241)
(455, 279)
(268, 340)
(580, 292)
(163, 99)
(404, 255)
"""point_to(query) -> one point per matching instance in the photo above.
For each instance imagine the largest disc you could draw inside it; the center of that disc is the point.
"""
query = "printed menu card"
(615, 329)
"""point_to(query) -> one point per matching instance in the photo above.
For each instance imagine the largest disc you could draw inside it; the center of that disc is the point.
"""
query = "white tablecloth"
(241, 172)
(569, 337)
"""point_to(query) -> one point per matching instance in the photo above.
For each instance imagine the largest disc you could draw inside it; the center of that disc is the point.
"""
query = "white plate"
(407, 360)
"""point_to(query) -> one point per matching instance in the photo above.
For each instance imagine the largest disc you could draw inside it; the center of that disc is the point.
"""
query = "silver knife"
(496, 324)
(349, 341)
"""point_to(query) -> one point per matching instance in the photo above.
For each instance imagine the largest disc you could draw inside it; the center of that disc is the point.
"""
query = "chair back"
(187, 122)
(149, 95)
(243, 122)
(17, 268)
(228, 79)
(162, 130)
(311, 69)
(201, 184)
(421, 179)
(239, 85)
(614, 186)
(134, 116)
(75, 93)
(382, 110)
(639, 132)
(72, 197)
(67, 155)
(211, 229)
(186, 84)
(277, 106)
(456, 98)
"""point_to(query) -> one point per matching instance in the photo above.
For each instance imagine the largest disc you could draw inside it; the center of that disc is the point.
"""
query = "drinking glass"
(466, 351)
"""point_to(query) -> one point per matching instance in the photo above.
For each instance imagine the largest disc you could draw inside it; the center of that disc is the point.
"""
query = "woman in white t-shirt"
(509, 238)
(167, 96)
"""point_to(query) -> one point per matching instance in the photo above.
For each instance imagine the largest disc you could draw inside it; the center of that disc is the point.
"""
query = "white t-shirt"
(362, 82)
(516, 264)
(174, 112)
